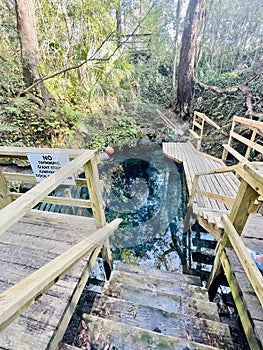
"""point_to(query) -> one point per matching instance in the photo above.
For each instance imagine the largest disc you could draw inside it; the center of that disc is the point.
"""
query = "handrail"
(199, 120)
(255, 128)
(21, 152)
(17, 209)
(17, 298)
(194, 190)
(252, 272)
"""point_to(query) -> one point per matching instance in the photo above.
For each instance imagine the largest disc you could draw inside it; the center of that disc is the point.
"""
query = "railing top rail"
(21, 206)
(14, 300)
(207, 119)
(6, 151)
(249, 122)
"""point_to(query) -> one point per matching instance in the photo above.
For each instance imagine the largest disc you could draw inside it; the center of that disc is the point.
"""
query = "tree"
(27, 28)
(187, 54)
(26, 25)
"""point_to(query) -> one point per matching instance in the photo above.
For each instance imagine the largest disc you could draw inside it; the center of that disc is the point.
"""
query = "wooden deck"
(197, 162)
(27, 246)
(46, 258)
(211, 214)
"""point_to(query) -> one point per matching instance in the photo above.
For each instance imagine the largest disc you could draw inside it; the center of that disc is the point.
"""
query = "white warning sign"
(44, 165)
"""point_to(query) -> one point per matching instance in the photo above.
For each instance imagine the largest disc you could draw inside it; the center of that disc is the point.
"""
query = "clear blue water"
(146, 190)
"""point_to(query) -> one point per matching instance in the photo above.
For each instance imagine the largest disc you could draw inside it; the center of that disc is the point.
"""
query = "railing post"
(225, 152)
(241, 209)
(92, 178)
(5, 197)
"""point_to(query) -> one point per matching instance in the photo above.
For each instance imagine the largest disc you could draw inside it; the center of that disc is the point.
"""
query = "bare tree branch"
(91, 58)
(242, 87)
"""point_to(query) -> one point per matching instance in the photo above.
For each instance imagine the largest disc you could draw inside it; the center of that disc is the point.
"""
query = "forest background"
(89, 73)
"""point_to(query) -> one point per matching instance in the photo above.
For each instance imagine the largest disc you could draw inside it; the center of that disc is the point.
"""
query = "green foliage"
(119, 130)
(30, 126)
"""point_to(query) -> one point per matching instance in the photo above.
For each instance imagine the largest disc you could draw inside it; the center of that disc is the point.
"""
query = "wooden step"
(63, 346)
(104, 334)
(171, 324)
(167, 302)
(165, 275)
(158, 285)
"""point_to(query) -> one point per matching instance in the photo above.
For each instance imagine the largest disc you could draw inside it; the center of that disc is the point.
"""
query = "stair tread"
(146, 271)
(165, 301)
(200, 330)
(158, 285)
(110, 334)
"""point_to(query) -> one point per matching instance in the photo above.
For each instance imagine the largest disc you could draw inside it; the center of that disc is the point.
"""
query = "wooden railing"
(253, 140)
(18, 297)
(250, 189)
(254, 132)
(197, 131)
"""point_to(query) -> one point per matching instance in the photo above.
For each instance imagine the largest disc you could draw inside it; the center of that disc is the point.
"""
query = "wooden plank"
(122, 337)
(168, 323)
(92, 178)
(248, 264)
(240, 305)
(239, 213)
(249, 122)
(162, 274)
(191, 306)
(156, 284)
(235, 153)
(247, 142)
(5, 196)
(16, 152)
(14, 211)
(31, 178)
(81, 203)
(18, 297)
(71, 306)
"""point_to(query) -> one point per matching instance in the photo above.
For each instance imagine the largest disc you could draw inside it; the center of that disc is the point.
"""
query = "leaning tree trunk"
(187, 54)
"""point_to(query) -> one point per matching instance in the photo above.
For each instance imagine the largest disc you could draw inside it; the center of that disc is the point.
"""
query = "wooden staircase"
(142, 308)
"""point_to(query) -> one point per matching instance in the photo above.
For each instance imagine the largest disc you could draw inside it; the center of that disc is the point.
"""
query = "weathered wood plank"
(161, 274)
(120, 336)
(168, 302)
(248, 326)
(178, 325)
(17, 298)
(156, 284)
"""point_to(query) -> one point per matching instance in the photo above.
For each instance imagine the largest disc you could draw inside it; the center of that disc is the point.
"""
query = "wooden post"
(5, 196)
(92, 178)
(254, 134)
(225, 151)
(245, 198)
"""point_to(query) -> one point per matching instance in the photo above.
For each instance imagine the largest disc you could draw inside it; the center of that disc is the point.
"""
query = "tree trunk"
(26, 25)
(177, 24)
(27, 28)
(186, 64)
(118, 24)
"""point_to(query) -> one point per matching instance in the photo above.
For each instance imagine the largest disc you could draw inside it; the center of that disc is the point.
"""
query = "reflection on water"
(146, 190)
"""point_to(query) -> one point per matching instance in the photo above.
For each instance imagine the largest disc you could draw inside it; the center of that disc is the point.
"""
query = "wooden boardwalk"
(197, 162)
(46, 258)
(210, 214)
(27, 246)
